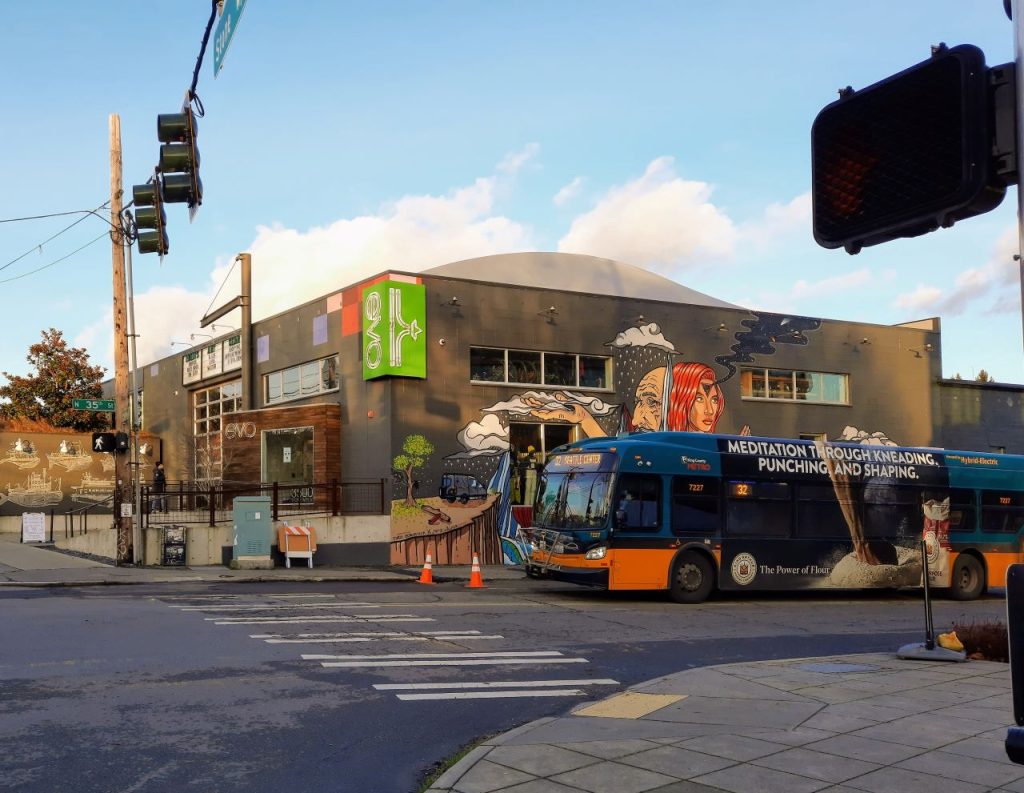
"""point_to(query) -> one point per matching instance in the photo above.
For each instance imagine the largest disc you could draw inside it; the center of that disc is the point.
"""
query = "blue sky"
(343, 139)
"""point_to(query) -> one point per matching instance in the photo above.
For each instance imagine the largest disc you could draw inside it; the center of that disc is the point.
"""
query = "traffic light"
(149, 214)
(912, 152)
(103, 442)
(179, 158)
(121, 442)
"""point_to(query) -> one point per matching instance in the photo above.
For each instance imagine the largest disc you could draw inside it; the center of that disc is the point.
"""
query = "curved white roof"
(573, 272)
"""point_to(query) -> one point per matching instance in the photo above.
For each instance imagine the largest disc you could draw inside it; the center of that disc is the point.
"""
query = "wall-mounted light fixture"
(203, 335)
(549, 313)
(453, 302)
(721, 327)
(865, 340)
(220, 327)
(182, 343)
(918, 350)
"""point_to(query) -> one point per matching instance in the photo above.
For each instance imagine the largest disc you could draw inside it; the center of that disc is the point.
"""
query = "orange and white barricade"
(296, 542)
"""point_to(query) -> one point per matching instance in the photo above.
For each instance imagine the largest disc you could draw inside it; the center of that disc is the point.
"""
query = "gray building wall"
(987, 417)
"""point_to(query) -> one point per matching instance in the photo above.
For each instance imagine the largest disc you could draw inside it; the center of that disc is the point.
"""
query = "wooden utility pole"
(122, 468)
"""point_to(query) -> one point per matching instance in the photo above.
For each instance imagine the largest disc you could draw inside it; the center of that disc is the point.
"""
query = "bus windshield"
(573, 500)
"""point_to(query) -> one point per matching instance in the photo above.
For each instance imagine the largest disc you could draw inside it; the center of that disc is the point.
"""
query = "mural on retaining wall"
(42, 470)
(658, 391)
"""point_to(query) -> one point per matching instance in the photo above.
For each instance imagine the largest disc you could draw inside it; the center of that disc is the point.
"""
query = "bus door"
(757, 549)
(639, 541)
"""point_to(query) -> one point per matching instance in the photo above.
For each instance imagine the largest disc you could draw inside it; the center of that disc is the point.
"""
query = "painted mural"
(491, 477)
(44, 470)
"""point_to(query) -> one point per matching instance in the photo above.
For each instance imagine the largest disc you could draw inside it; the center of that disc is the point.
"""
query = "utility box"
(253, 533)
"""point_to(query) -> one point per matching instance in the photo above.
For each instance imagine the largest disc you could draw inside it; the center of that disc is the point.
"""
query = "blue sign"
(231, 11)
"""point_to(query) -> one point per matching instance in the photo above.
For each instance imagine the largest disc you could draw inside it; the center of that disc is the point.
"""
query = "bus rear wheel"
(968, 578)
(692, 579)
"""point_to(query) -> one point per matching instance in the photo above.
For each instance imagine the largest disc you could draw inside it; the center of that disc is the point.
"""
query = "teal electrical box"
(253, 527)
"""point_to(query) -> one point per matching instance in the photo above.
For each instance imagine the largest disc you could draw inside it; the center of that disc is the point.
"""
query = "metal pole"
(137, 549)
(1018, 57)
(929, 629)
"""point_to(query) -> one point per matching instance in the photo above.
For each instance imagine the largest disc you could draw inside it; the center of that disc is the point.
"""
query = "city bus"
(691, 513)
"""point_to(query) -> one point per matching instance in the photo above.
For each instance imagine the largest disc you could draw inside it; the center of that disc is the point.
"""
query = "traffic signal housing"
(913, 152)
(150, 215)
(103, 442)
(179, 158)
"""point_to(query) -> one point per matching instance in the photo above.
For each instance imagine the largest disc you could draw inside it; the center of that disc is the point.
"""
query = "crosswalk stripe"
(604, 681)
(549, 692)
(300, 620)
(242, 597)
(453, 662)
(396, 656)
(442, 634)
(391, 637)
(274, 608)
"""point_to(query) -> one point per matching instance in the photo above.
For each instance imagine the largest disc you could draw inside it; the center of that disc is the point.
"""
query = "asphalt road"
(207, 688)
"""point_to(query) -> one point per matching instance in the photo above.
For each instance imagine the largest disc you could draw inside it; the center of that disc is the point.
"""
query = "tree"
(59, 374)
(984, 377)
(415, 452)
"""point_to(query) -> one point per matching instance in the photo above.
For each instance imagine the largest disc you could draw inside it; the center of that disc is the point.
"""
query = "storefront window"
(788, 385)
(559, 369)
(287, 458)
(531, 445)
(209, 405)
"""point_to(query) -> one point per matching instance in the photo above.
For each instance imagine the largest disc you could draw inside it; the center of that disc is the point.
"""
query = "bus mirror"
(620, 518)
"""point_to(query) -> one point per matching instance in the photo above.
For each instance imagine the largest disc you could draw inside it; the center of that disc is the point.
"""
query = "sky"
(341, 140)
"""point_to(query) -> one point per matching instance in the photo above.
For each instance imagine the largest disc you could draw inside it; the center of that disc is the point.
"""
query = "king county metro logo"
(744, 568)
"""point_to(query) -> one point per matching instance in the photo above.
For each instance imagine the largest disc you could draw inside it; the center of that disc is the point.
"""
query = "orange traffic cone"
(476, 580)
(427, 576)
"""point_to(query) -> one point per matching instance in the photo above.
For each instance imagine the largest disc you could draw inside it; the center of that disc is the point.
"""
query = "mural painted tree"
(59, 374)
(415, 452)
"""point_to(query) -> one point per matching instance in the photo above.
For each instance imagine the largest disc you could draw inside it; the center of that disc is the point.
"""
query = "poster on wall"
(232, 351)
(212, 360)
(191, 368)
(394, 324)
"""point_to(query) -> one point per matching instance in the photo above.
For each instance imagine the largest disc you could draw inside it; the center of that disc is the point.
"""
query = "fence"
(80, 517)
(210, 504)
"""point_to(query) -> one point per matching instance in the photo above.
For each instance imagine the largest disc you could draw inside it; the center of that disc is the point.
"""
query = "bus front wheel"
(968, 578)
(692, 579)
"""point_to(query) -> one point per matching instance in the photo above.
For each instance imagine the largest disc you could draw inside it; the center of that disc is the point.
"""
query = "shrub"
(984, 640)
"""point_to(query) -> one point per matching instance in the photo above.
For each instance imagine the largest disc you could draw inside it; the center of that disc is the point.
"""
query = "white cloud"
(990, 283)
(835, 285)
(292, 266)
(568, 193)
(778, 221)
(659, 221)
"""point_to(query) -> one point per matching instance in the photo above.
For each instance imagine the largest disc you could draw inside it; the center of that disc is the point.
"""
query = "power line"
(227, 275)
(104, 235)
(85, 213)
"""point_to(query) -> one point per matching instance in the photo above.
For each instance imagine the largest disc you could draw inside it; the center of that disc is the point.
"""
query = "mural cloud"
(486, 436)
(648, 335)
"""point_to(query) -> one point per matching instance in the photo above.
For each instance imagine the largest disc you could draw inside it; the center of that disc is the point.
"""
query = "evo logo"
(394, 321)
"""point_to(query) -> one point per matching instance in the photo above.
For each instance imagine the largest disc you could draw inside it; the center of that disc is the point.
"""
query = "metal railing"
(210, 504)
(103, 509)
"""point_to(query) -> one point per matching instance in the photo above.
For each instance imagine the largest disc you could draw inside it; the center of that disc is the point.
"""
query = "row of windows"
(299, 382)
(526, 367)
(780, 509)
(786, 384)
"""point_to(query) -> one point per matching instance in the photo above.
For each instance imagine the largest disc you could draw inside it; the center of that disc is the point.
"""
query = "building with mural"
(454, 384)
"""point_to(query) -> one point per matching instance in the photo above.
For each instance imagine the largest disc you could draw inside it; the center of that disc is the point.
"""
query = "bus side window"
(638, 502)
(962, 512)
(694, 505)
(818, 513)
(892, 510)
(758, 509)
(1002, 511)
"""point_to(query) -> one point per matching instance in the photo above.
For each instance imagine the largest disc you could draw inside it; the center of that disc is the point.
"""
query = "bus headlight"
(596, 553)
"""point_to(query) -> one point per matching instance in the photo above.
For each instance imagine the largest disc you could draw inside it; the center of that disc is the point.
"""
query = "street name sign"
(98, 405)
(225, 30)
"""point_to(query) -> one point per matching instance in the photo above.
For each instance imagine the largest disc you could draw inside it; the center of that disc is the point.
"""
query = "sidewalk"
(43, 565)
(844, 724)
(867, 723)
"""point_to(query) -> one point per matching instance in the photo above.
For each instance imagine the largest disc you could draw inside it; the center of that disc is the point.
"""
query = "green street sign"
(232, 10)
(394, 321)
(98, 405)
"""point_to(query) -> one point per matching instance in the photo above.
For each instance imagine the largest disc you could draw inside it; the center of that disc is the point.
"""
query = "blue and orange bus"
(690, 513)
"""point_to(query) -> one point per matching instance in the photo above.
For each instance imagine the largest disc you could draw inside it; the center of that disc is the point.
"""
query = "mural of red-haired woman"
(695, 402)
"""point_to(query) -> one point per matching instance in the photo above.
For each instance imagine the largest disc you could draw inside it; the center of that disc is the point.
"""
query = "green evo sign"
(394, 321)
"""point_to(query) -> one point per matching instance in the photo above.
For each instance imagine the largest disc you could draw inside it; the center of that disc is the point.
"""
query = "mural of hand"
(568, 410)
